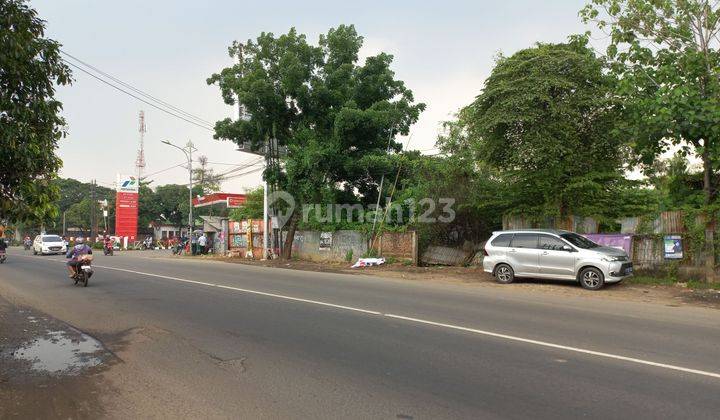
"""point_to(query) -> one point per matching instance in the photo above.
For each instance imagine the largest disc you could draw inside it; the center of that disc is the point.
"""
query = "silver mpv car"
(554, 254)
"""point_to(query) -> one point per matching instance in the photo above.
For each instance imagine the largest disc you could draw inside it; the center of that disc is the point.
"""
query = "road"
(201, 338)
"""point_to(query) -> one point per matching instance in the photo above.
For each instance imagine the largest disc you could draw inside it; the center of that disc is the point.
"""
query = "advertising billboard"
(126, 206)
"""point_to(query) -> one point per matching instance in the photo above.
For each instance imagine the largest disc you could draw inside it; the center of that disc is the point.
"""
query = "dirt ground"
(26, 392)
(676, 295)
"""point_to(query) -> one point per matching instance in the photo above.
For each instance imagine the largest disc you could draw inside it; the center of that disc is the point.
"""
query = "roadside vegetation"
(558, 130)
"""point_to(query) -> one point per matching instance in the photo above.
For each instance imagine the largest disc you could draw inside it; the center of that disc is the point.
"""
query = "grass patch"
(650, 280)
(696, 284)
(661, 280)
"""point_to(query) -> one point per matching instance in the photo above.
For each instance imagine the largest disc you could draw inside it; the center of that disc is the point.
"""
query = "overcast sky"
(443, 51)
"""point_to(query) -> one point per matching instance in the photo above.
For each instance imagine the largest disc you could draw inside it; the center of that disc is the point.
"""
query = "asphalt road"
(211, 339)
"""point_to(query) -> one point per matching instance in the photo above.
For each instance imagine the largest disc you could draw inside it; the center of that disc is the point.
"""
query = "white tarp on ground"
(368, 262)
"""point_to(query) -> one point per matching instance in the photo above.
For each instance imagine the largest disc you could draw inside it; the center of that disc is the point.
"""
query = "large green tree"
(666, 55)
(330, 111)
(545, 120)
(30, 121)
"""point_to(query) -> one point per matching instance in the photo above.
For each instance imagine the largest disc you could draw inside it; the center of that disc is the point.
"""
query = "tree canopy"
(333, 113)
(30, 121)
(666, 56)
(545, 120)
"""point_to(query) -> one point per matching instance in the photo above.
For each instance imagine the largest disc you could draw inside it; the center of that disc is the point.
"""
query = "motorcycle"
(108, 248)
(3, 256)
(27, 245)
(83, 271)
(179, 247)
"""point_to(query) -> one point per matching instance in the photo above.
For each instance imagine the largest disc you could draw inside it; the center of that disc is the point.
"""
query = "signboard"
(325, 240)
(126, 207)
(235, 202)
(127, 183)
(672, 247)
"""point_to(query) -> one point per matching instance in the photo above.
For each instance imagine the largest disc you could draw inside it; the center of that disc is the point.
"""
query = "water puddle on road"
(61, 352)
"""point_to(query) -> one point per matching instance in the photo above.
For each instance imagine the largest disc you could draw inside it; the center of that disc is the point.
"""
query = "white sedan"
(49, 244)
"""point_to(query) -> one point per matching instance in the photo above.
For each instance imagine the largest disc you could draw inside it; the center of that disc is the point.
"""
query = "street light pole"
(190, 214)
(187, 150)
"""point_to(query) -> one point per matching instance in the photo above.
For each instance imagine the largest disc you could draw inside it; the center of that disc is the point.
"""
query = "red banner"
(126, 214)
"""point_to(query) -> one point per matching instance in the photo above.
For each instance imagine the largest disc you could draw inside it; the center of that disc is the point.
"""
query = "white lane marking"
(557, 346)
(432, 323)
(238, 289)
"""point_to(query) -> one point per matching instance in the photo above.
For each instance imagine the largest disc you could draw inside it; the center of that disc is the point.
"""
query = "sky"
(443, 52)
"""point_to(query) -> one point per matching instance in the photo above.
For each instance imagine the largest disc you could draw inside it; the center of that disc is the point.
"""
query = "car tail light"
(485, 253)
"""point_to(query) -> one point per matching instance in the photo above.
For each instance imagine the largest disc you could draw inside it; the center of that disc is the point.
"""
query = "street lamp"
(188, 149)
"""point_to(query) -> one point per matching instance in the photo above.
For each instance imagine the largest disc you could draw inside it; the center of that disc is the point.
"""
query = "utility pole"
(188, 149)
(93, 218)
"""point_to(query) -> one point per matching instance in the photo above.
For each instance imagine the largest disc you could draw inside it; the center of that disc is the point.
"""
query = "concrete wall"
(401, 245)
(335, 245)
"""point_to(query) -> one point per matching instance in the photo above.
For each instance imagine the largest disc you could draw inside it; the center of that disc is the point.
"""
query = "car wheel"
(504, 274)
(34, 251)
(592, 279)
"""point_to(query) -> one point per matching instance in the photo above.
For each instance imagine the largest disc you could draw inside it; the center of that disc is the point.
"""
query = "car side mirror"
(567, 248)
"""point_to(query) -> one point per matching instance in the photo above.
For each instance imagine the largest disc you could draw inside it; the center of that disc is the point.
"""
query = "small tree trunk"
(292, 227)
(709, 217)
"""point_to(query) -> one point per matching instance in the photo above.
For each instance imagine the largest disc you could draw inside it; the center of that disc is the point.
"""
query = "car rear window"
(51, 239)
(525, 240)
(502, 240)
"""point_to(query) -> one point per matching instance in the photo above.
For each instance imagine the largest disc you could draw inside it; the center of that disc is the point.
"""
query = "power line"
(164, 170)
(140, 92)
(138, 98)
(241, 167)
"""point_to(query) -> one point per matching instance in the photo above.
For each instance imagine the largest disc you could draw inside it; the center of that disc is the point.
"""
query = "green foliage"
(349, 255)
(329, 110)
(30, 69)
(205, 178)
(668, 64)
(253, 208)
(171, 204)
(75, 202)
(78, 215)
(545, 120)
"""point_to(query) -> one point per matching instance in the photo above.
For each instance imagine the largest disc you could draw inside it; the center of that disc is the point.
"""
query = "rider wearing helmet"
(75, 253)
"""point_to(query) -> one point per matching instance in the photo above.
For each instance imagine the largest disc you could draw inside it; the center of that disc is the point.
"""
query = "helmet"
(79, 241)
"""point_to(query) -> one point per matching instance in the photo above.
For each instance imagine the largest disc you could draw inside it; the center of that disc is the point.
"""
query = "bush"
(349, 255)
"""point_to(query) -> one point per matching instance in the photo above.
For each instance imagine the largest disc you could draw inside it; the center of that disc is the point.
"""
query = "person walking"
(193, 243)
(202, 243)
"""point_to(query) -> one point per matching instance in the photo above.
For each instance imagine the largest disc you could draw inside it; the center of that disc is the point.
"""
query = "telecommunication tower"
(140, 162)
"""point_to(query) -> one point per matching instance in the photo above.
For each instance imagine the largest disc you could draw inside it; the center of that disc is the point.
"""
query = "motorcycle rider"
(27, 242)
(75, 253)
(108, 242)
(3, 245)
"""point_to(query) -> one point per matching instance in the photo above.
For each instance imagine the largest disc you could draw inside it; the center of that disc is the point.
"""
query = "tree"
(205, 177)
(328, 110)
(30, 68)
(173, 202)
(72, 191)
(545, 120)
(253, 207)
(666, 56)
(78, 215)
